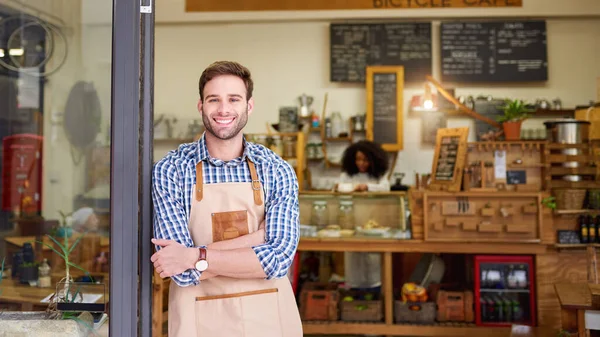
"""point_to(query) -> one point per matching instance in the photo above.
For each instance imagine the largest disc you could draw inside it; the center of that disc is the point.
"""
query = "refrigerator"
(504, 290)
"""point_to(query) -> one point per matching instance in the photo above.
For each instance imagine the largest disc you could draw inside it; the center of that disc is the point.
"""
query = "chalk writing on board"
(385, 108)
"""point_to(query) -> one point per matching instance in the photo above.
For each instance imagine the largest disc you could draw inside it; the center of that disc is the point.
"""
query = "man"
(226, 222)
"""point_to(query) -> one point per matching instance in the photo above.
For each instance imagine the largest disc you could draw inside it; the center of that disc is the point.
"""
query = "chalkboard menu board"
(385, 87)
(356, 46)
(494, 51)
(449, 159)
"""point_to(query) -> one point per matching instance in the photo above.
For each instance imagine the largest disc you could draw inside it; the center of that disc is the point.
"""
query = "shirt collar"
(203, 154)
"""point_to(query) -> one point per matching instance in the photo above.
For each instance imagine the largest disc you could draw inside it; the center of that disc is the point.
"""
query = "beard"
(225, 134)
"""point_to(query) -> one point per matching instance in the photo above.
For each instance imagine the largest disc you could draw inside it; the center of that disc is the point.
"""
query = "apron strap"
(199, 181)
(255, 183)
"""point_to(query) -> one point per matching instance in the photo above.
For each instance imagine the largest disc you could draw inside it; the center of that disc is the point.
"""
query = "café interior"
(486, 221)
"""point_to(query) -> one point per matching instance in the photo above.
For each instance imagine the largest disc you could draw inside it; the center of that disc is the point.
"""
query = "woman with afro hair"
(364, 165)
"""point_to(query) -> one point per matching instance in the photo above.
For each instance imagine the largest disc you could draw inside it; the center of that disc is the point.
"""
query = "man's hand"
(174, 258)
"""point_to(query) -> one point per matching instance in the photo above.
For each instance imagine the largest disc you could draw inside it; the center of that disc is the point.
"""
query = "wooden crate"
(319, 302)
(365, 306)
(587, 160)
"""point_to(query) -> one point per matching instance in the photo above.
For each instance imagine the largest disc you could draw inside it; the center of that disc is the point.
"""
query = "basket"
(569, 198)
(421, 312)
(319, 302)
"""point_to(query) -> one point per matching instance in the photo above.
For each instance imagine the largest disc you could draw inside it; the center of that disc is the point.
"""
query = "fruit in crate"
(412, 292)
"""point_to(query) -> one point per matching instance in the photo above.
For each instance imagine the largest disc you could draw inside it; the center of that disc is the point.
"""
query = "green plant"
(549, 202)
(65, 251)
(514, 111)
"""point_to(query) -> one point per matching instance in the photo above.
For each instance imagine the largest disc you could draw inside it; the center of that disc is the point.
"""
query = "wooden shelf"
(567, 146)
(313, 129)
(339, 139)
(561, 158)
(526, 166)
(586, 184)
(576, 245)
(573, 170)
(439, 329)
(575, 211)
(554, 113)
(360, 244)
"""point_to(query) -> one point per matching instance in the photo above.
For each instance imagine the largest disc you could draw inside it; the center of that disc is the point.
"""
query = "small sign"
(516, 177)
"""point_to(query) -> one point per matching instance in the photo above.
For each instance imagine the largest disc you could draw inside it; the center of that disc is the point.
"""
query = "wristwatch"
(202, 263)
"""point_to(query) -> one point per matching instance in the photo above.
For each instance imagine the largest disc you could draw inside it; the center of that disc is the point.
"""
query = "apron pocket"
(261, 314)
(229, 225)
(219, 317)
(248, 314)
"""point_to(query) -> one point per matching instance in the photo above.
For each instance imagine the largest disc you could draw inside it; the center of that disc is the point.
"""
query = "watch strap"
(202, 254)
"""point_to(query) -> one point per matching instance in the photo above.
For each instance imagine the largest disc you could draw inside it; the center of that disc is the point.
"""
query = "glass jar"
(289, 147)
(337, 124)
(319, 214)
(346, 214)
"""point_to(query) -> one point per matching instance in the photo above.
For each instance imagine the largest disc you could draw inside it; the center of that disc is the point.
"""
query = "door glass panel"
(55, 112)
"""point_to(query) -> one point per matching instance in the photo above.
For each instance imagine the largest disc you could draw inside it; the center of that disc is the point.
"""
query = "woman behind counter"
(364, 167)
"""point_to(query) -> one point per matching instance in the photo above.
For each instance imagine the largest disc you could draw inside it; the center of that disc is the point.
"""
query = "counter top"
(357, 244)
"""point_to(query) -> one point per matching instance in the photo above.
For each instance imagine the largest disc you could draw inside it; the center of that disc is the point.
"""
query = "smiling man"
(226, 222)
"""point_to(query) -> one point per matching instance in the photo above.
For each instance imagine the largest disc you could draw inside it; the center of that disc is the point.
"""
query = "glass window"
(55, 113)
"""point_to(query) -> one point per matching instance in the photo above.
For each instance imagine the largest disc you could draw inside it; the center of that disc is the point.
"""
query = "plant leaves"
(64, 249)
(78, 267)
(47, 245)
(75, 243)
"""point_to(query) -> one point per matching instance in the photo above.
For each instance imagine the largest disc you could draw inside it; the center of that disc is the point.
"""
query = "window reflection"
(55, 160)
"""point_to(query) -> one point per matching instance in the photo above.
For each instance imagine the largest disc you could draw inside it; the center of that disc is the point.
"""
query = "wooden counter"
(26, 298)
(360, 244)
(19, 241)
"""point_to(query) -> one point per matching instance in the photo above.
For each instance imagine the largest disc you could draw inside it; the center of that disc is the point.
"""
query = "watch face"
(202, 265)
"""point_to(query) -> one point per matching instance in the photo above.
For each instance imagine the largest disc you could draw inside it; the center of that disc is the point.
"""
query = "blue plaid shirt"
(173, 178)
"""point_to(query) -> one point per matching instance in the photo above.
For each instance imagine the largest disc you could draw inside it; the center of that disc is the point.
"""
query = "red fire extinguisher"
(22, 173)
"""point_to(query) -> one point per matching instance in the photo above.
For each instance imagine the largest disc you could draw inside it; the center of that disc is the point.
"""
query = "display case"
(376, 215)
(504, 290)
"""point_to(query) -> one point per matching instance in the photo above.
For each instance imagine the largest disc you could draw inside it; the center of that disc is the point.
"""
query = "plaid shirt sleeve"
(170, 219)
(282, 224)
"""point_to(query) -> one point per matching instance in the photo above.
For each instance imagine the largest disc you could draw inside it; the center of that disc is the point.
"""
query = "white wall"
(291, 58)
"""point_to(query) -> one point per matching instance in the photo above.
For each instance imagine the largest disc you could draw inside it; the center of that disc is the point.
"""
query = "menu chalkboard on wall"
(512, 51)
(385, 87)
(356, 46)
(449, 159)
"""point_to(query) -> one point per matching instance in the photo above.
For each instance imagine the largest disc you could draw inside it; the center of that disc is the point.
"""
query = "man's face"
(225, 109)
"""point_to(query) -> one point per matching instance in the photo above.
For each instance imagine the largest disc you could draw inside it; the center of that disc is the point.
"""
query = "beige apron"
(223, 306)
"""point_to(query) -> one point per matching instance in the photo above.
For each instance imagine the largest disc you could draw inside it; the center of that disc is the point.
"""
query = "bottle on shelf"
(583, 229)
(596, 237)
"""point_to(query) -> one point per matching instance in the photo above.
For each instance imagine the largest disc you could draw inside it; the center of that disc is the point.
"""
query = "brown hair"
(226, 68)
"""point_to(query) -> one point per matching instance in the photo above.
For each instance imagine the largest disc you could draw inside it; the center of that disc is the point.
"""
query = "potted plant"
(515, 112)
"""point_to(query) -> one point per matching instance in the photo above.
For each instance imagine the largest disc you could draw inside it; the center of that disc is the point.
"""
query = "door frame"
(131, 164)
